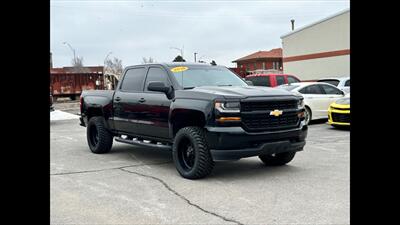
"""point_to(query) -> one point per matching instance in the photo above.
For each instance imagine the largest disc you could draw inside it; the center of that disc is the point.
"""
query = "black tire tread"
(205, 161)
(105, 137)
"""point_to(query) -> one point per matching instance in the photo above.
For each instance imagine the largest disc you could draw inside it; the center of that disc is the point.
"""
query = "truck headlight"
(228, 107)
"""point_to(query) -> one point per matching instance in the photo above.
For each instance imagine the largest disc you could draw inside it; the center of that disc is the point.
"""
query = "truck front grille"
(270, 105)
(341, 118)
(256, 115)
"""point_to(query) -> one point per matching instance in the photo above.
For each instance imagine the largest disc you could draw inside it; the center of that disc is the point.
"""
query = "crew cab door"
(154, 110)
(126, 101)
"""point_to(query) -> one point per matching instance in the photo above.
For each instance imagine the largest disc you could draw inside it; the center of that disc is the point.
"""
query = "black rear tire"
(279, 159)
(100, 140)
(191, 154)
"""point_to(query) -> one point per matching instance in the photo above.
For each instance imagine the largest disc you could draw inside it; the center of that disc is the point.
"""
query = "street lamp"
(195, 56)
(73, 50)
(179, 49)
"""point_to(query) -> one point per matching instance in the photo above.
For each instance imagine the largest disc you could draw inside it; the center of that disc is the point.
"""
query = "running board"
(143, 144)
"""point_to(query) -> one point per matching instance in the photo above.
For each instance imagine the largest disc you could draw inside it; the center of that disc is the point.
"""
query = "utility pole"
(292, 20)
(195, 56)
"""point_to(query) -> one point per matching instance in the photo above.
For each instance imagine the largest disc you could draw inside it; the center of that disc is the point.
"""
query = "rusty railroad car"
(68, 82)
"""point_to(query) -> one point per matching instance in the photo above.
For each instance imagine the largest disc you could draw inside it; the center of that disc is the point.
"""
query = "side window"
(292, 79)
(156, 74)
(260, 81)
(133, 80)
(347, 84)
(331, 90)
(280, 80)
(312, 89)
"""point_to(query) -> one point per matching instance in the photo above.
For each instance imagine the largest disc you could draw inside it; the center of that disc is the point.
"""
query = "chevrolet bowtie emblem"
(276, 112)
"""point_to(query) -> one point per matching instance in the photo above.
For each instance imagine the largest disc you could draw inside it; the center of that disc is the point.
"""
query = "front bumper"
(230, 143)
(339, 109)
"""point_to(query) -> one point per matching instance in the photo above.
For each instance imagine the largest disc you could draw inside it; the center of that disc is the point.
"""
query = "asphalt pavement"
(135, 185)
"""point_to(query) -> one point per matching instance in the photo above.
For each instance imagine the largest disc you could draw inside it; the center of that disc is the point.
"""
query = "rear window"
(330, 81)
(260, 81)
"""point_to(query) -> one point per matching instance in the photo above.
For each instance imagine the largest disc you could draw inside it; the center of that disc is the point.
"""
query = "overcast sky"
(218, 30)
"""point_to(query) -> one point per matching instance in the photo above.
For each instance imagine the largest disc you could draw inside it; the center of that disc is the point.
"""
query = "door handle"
(141, 100)
(117, 99)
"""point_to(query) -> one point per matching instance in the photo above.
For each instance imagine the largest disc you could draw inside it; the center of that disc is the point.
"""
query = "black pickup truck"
(203, 113)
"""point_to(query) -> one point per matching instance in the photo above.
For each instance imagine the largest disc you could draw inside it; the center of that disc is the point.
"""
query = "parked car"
(317, 97)
(201, 112)
(271, 80)
(343, 83)
(339, 112)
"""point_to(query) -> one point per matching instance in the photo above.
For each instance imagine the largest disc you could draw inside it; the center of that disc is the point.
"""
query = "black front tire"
(100, 140)
(279, 159)
(191, 154)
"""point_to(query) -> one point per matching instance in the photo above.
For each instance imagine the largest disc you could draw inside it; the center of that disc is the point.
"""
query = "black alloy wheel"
(191, 154)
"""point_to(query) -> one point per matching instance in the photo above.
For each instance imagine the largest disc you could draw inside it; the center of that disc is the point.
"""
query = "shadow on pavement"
(227, 170)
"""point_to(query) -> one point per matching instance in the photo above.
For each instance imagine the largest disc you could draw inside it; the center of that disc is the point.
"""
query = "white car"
(317, 97)
(343, 83)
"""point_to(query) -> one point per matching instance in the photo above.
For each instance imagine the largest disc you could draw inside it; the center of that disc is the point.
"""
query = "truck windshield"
(189, 77)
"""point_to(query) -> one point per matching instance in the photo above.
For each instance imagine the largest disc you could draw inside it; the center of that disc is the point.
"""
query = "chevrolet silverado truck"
(202, 113)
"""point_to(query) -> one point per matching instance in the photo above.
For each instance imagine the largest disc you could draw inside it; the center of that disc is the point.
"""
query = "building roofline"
(317, 22)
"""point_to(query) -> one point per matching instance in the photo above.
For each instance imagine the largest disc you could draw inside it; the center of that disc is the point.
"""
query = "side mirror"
(159, 87)
(249, 82)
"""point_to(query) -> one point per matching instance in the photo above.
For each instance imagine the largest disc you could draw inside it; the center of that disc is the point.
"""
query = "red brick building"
(261, 60)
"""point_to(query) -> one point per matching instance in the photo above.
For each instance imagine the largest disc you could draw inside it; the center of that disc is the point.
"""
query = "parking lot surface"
(135, 185)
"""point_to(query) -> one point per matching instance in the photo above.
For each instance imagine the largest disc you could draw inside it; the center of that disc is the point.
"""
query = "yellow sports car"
(339, 112)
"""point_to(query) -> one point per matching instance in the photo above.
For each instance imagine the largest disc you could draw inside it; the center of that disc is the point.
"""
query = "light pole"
(195, 56)
(72, 49)
(179, 49)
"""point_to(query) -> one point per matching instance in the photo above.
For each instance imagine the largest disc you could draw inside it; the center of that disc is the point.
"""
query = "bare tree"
(77, 65)
(114, 66)
(149, 60)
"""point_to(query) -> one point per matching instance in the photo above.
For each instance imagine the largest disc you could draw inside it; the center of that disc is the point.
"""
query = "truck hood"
(238, 92)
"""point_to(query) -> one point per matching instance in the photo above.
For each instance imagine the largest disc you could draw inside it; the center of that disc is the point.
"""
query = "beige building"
(319, 50)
